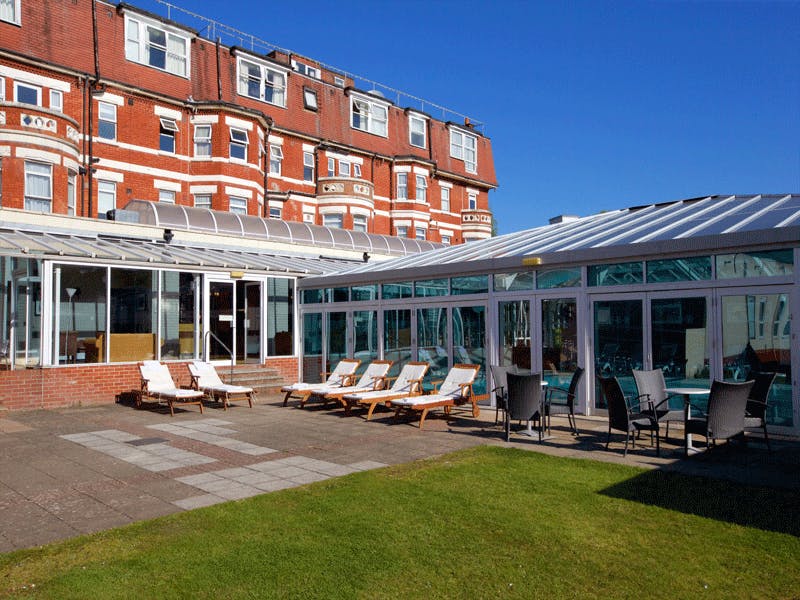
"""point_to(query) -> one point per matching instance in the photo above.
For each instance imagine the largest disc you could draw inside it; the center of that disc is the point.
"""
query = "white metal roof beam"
(758, 213)
(725, 213)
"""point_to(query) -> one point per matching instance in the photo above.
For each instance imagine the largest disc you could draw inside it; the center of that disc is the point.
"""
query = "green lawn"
(483, 523)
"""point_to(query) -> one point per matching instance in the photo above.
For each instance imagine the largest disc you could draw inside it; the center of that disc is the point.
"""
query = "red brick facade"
(74, 75)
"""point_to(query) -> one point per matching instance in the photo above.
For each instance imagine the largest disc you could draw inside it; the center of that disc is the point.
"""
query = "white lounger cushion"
(408, 377)
(365, 383)
(343, 369)
(160, 383)
(208, 379)
(451, 388)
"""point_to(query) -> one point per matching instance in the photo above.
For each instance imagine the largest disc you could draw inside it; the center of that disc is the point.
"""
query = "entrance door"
(248, 321)
(221, 322)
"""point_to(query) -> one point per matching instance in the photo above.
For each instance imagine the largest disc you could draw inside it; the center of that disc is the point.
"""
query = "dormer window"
(464, 146)
(416, 131)
(154, 44)
(305, 69)
(370, 115)
(262, 82)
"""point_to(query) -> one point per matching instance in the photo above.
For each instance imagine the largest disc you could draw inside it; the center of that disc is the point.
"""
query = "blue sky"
(590, 105)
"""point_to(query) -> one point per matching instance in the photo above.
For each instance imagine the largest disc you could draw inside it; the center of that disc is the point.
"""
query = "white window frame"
(422, 188)
(167, 129)
(308, 217)
(275, 212)
(167, 196)
(472, 200)
(338, 81)
(36, 88)
(106, 189)
(2, 89)
(360, 223)
(333, 220)
(72, 192)
(464, 146)
(445, 199)
(344, 168)
(57, 100)
(240, 203)
(421, 123)
(446, 239)
(275, 159)
(308, 166)
(310, 99)
(272, 87)
(357, 170)
(176, 46)
(331, 167)
(305, 69)
(242, 141)
(402, 186)
(202, 200)
(45, 172)
(202, 140)
(106, 113)
(401, 231)
(372, 115)
(15, 17)
(420, 233)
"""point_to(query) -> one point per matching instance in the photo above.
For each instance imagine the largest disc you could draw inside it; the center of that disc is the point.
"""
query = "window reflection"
(515, 334)
(559, 340)
(82, 314)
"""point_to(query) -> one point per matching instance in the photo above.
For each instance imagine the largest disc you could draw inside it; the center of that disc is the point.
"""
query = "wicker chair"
(524, 401)
(756, 409)
(499, 376)
(622, 418)
(725, 416)
(564, 404)
(653, 390)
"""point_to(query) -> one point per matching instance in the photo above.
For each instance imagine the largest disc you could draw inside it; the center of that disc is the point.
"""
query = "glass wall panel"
(82, 314)
(313, 296)
(559, 340)
(469, 337)
(220, 320)
(312, 347)
(133, 315)
(337, 338)
(364, 292)
(617, 343)
(180, 315)
(515, 333)
(558, 278)
(280, 317)
(475, 284)
(23, 318)
(771, 263)
(756, 337)
(6, 312)
(695, 268)
(248, 321)
(431, 287)
(394, 291)
(616, 274)
(365, 337)
(511, 282)
(340, 294)
(432, 341)
(397, 338)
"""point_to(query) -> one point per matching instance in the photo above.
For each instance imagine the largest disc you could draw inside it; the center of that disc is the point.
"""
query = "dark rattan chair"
(622, 418)
(653, 394)
(561, 401)
(756, 409)
(725, 416)
(500, 389)
(524, 401)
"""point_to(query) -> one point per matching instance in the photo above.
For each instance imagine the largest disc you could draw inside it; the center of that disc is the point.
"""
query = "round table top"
(688, 391)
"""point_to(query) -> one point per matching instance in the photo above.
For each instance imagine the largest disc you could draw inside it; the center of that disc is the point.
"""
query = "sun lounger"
(455, 390)
(206, 379)
(157, 385)
(374, 378)
(342, 375)
(408, 383)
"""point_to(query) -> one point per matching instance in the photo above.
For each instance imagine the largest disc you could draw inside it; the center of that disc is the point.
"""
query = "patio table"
(687, 393)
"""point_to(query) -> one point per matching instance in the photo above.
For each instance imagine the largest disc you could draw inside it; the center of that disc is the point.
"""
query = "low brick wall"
(86, 385)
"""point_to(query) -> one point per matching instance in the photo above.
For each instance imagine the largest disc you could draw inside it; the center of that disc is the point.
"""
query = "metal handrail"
(207, 352)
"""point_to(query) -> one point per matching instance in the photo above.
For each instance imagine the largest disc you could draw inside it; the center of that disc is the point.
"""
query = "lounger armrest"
(379, 382)
(349, 379)
(466, 390)
(415, 386)
(195, 384)
(436, 383)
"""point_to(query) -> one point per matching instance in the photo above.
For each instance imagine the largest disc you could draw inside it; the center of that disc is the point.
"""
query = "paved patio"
(74, 471)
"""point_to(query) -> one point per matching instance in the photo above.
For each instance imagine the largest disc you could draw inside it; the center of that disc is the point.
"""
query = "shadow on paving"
(769, 508)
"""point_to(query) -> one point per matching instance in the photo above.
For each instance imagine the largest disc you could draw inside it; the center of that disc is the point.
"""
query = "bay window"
(38, 186)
